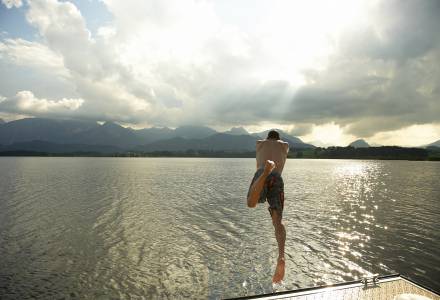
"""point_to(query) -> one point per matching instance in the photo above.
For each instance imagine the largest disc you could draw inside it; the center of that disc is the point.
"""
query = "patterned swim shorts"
(273, 191)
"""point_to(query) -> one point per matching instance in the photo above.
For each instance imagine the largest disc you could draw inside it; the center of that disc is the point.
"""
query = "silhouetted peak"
(435, 144)
(110, 124)
(193, 131)
(194, 127)
(360, 143)
(2, 121)
(237, 131)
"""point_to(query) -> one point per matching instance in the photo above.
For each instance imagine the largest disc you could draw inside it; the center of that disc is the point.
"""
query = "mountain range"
(63, 136)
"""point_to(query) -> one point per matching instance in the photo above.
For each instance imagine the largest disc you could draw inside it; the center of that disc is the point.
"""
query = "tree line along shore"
(380, 153)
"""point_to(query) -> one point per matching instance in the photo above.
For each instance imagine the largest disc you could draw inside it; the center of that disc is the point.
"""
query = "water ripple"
(179, 228)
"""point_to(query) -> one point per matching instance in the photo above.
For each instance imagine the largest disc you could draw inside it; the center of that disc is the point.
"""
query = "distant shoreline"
(371, 153)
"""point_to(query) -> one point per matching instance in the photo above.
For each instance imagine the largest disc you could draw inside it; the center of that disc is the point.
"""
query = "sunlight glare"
(305, 34)
(330, 134)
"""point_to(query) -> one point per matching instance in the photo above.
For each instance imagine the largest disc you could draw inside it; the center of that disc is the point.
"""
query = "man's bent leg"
(258, 185)
(280, 234)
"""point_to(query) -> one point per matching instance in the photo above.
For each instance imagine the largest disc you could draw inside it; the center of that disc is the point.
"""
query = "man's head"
(273, 135)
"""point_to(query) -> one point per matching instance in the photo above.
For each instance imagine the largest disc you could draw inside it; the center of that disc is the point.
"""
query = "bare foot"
(269, 166)
(279, 271)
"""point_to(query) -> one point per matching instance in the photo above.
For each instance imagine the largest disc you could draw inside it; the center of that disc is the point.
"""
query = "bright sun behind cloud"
(329, 134)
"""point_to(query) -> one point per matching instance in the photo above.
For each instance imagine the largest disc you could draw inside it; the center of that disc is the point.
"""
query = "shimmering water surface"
(157, 228)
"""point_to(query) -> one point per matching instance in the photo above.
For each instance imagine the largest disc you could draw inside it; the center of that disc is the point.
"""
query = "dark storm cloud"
(399, 30)
(301, 129)
(370, 103)
(383, 78)
(256, 102)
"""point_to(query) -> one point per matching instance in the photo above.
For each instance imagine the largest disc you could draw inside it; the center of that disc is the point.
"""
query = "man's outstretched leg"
(258, 185)
(280, 234)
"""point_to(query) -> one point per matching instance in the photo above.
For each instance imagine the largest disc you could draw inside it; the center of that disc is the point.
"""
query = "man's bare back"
(274, 150)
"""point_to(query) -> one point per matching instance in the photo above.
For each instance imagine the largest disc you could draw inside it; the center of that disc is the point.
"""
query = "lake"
(158, 228)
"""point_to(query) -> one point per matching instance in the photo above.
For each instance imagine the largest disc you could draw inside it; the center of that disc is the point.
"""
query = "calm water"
(148, 228)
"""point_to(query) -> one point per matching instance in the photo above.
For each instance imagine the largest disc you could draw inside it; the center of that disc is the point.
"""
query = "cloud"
(32, 54)
(398, 30)
(12, 3)
(25, 102)
(108, 87)
(371, 69)
(301, 129)
(64, 30)
(384, 77)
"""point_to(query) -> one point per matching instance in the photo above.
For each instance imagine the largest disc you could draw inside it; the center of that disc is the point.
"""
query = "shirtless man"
(268, 184)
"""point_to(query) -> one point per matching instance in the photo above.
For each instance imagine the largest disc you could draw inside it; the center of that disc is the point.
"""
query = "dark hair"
(273, 134)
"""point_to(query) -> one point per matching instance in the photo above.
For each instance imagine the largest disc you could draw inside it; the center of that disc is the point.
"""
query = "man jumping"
(267, 183)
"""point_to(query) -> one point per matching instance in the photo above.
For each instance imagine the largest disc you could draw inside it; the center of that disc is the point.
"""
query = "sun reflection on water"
(354, 214)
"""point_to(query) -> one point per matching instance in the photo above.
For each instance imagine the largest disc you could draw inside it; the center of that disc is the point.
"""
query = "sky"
(328, 72)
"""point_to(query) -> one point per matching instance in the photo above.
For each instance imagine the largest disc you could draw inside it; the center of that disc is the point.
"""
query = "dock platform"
(391, 287)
